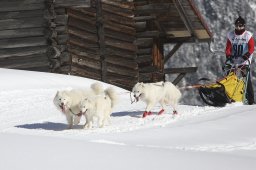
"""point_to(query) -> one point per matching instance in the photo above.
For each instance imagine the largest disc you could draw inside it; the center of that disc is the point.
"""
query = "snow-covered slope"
(33, 132)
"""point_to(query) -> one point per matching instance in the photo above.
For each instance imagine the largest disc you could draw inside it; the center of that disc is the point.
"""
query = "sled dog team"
(96, 103)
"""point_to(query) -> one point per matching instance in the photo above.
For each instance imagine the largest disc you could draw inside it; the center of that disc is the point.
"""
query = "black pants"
(250, 91)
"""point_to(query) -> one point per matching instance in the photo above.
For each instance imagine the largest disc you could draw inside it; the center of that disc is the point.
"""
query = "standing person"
(239, 50)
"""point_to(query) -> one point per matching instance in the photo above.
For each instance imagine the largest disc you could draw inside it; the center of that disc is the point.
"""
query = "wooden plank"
(31, 65)
(59, 10)
(120, 4)
(118, 19)
(141, 26)
(119, 28)
(118, 51)
(83, 43)
(21, 2)
(4, 53)
(72, 3)
(61, 19)
(149, 69)
(144, 42)
(122, 81)
(120, 44)
(19, 33)
(60, 29)
(159, 1)
(88, 12)
(36, 65)
(120, 58)
(21, 14)
(148, 34)
(119, 36)
(143, 51)
(86, 62)
(144, 18)
(76, 23)
(23, 42)
(22, 5)
(145, 77)
(22, 23)
(144, 60)
(80, 16)
(121, 78)
(112, 68)
(86, 72)
(158, 76)
(118, 11)
(122, 62)
(180, 70)
(154, 8)
(83, 52)
(25, 61)
(124, 54)
(83, 34)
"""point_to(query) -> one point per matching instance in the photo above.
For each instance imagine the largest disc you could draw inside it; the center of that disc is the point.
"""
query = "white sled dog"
(67, 101)
(161, 92)
(99, 107)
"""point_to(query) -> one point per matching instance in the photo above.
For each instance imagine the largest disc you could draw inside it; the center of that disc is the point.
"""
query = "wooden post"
(158, 57)
(157, 53)
(101, 39)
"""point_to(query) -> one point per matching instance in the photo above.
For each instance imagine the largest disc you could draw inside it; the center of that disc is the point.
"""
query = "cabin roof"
(173, 19)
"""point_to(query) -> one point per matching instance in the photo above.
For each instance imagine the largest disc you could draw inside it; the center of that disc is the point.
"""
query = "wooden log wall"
(150, 50)
(101, 42)
(23, 44)
(33, 34)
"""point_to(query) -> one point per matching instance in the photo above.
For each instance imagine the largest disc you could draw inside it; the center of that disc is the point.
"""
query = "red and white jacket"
(239, 45)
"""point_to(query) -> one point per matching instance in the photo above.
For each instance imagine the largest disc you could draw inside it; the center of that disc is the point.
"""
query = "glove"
(229, 60)
(246, 56)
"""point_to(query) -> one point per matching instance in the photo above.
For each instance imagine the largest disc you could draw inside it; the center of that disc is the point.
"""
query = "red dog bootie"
(161, 112)
(144, 114)
(149, 113)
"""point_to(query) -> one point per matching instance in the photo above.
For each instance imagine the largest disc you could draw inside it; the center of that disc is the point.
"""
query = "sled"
(231, 88)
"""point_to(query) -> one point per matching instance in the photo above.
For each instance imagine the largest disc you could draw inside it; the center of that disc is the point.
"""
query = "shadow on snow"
(61, 126)
(48, 126)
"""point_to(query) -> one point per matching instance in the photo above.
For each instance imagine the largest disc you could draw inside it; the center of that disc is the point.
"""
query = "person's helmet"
(240, 21)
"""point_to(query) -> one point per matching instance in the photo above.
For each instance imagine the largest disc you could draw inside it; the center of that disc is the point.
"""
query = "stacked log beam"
(57, 37)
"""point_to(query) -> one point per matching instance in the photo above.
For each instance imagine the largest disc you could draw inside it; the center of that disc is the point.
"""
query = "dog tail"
(97, 88)
(111, 93)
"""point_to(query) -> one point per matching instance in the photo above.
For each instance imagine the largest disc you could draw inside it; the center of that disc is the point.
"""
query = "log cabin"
(120, 42)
